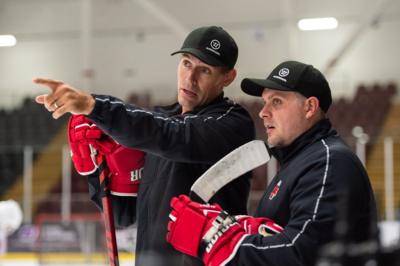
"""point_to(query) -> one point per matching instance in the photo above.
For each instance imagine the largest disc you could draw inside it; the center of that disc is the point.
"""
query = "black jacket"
(320, 182)
(179, 148)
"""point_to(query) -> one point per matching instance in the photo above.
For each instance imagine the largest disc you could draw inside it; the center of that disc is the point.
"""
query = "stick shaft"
(108, 216)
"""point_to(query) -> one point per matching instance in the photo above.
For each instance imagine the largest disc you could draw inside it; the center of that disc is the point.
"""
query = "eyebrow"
(201, 64)
(275, 93)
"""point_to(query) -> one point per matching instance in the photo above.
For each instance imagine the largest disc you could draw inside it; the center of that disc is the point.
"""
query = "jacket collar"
(197, 109)
(320, 130)
(176, 108)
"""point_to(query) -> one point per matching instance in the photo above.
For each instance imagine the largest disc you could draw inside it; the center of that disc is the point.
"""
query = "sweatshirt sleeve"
(203, 137)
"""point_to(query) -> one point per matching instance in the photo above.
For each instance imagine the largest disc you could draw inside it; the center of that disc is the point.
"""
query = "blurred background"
(122, 48)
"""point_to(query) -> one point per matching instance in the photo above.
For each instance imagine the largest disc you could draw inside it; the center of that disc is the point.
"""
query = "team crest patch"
(275, 190)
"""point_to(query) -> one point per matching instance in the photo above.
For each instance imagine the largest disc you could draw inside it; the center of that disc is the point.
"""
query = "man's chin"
(271, 143)
(186, 99)
(186, 105)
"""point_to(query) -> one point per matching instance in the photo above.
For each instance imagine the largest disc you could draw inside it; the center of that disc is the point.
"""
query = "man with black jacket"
(181, 141)
(321, 191)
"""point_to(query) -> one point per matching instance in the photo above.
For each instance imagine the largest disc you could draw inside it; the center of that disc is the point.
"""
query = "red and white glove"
(126, 167)
(208, 232)
(189, 220)
(87, 142)
(81, 136)
(258, 225)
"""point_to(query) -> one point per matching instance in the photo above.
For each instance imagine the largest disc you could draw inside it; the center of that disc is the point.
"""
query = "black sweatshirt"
(179, 148)
(320, 182)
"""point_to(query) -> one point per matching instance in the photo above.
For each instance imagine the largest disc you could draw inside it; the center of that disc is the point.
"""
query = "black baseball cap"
(212, 45)
(293, 76)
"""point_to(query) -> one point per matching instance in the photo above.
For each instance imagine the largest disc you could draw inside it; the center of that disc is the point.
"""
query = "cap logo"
(283, 72)
(215, 45)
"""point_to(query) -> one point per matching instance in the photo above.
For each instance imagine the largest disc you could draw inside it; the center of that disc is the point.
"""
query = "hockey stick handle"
(233, 165)
(108, 216)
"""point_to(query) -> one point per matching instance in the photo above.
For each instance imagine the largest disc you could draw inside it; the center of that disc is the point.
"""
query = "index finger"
(51, 83)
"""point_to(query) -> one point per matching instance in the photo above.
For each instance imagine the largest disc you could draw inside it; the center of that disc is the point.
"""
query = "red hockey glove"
(189, 220)
(126, 167)
(258, 225)
(87, 142)
(81, 136)
(214, 237)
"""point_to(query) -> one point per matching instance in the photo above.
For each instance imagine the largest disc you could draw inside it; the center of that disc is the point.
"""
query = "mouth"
(268, 127)
(189, 93)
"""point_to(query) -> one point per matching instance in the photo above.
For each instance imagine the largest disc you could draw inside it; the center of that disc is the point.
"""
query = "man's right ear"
(230, 76)
(312, 106)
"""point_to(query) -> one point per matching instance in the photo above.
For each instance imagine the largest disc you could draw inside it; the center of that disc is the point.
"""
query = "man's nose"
(191, 76)
(264, 112)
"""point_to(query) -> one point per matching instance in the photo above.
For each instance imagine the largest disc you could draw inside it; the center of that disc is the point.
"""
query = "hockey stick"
(234, 164)
(108, 217)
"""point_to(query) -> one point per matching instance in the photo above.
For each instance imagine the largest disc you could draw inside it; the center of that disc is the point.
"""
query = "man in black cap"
(181, 141)
(321, 193)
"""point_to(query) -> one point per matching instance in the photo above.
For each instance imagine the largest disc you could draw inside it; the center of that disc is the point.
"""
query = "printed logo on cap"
(215, 45)
(283, 72)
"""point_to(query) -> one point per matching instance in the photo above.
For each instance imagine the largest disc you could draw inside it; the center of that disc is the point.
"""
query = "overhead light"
(318, 24)
(7, 40)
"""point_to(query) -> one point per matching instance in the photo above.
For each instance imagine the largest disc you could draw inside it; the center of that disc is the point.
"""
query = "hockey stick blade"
(234, 164)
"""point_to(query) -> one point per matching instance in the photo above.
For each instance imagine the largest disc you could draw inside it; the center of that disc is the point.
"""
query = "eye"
(206, 70)
(276, 101)
(186, 63)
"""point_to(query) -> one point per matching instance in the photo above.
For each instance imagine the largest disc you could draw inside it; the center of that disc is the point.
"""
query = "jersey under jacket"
(320, 182)
(179, 148)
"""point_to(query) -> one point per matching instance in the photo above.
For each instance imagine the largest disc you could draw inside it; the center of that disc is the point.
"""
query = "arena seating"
(367, 109)
(80, 202)
(29, 124)
(32, 125)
